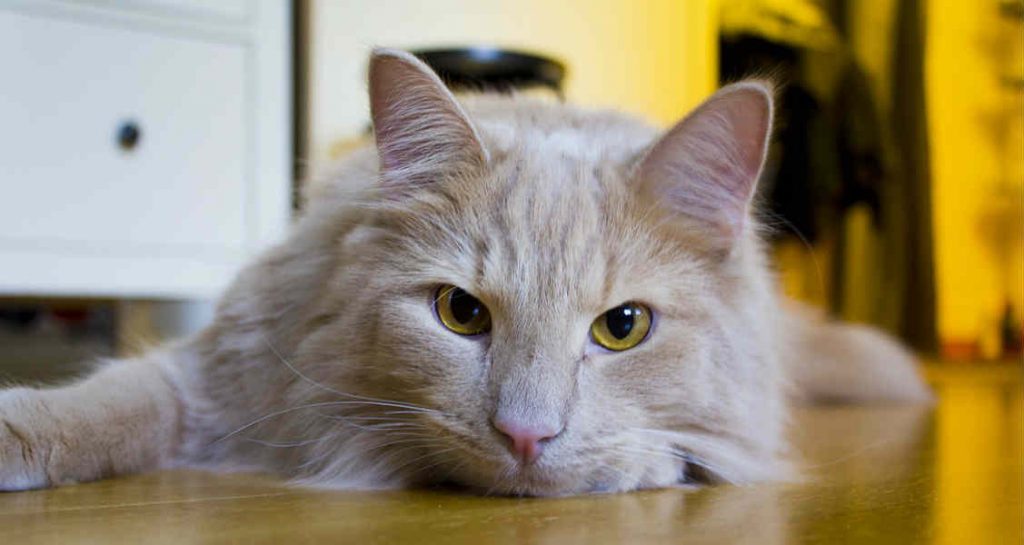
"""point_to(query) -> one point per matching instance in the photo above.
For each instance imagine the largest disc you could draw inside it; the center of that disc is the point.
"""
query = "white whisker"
(385, 402)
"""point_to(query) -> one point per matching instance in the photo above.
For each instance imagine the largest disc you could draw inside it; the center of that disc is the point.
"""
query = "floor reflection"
(945, 474)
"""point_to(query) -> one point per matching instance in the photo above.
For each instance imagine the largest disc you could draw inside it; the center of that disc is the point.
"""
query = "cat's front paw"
(22, 457)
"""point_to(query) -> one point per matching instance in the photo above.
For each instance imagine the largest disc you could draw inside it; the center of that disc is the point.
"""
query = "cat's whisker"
(452, 471)
(290, 444)
(383, 417)
(420, 436)
(401, 441)
(385, 426)
(504, 476)
(410, 444)
(442, 460)
(442, 293)
(312, 406)
(274, 415)
(820, 276)
(428, 454)
(408, 412)
(395, 404)
(286, 363)
(413, 441)
(371, 427)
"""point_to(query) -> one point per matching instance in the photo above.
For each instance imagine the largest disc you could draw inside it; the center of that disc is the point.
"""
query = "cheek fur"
(441, 365)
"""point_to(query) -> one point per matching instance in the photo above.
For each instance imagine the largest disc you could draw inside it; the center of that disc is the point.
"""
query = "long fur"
(326, 363)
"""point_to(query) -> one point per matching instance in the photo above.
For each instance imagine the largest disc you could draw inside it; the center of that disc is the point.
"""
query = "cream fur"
(326, 364)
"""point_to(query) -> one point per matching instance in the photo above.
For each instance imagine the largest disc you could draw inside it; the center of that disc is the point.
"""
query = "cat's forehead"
(552, 130)
(555, 171)
(551, 163)
(557, 220)
(554, 217)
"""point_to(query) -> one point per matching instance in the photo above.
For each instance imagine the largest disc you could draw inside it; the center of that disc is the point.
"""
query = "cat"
(514, 296)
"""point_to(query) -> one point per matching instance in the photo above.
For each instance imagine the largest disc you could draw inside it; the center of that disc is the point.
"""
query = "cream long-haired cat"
(519, 297)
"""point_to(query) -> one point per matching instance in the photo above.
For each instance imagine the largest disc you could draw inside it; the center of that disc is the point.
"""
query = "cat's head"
(579, 304)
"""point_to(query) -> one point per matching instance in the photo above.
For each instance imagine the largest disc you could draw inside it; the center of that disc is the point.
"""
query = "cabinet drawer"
(69, 88)
(226, 9)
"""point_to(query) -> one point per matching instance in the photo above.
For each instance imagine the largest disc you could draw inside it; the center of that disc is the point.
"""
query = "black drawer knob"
(128, 135)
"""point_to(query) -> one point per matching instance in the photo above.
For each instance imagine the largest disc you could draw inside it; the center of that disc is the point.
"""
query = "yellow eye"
(622, 327)
(461, 312)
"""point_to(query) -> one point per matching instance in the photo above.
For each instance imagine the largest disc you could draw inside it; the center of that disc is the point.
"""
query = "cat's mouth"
(524, 484)
(567, 469)
(491, 476)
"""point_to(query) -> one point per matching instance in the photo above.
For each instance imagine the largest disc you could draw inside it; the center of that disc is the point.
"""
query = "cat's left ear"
(422, 132)
(706, 167)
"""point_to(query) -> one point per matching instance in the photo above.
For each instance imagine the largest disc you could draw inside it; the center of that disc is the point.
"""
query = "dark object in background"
(52, 340)
(65, 319)
(836, 150)
(484, 68)
(1011, 333)
(909, 126)
(19, 317)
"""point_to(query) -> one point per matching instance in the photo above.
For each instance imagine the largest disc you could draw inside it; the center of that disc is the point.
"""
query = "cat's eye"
(622, 327)
(460, 312)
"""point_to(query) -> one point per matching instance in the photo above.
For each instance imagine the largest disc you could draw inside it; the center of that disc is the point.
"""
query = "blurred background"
(150, 147)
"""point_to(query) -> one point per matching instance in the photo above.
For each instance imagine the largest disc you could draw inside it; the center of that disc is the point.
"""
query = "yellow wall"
(978, 178)
(654, 58)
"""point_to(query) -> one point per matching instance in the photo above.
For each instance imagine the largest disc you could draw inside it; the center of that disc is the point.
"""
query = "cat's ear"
(706, 167)
(422, 132)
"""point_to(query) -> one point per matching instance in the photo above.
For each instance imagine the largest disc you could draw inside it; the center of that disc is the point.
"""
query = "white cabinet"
(204, 89)
(208, 9)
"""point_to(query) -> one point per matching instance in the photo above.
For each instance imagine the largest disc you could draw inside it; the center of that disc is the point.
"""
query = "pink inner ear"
(706, 167)
(421, 130)
(749, 115)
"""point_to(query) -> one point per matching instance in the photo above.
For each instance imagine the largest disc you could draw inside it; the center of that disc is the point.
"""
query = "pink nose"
(526, 441)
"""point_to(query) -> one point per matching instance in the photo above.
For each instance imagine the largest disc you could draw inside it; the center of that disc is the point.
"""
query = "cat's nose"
(526, 441)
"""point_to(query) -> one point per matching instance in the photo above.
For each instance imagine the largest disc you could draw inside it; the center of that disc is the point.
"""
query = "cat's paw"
(22, 456)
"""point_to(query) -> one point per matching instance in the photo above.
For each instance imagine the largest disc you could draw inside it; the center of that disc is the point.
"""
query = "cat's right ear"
(422, 132)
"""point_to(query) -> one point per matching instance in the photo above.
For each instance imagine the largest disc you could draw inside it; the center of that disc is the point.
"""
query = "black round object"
(465, 307)
(486, 68)
(128, 135)
(621, 320)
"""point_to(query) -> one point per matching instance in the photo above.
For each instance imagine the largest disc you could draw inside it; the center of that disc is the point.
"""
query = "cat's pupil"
(620, 320)
(464, 306)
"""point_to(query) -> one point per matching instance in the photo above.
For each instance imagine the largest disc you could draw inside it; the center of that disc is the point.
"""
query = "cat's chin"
(551, 482)
(523, 487)
(548, 488)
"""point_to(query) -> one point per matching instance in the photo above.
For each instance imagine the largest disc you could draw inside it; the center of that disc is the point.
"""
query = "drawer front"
(218, 9)
(68, 92)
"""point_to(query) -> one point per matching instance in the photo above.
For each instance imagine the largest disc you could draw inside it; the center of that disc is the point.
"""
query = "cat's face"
(544, 266)
(566, 329)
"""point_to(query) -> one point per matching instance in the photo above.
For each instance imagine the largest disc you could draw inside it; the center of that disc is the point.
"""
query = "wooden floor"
(951, 474)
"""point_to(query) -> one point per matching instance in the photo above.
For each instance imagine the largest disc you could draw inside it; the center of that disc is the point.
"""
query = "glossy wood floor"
(949, 474)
